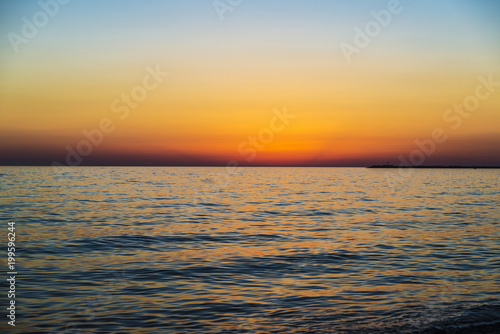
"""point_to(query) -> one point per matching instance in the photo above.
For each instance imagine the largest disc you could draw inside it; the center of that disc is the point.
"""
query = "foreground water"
(266, 250)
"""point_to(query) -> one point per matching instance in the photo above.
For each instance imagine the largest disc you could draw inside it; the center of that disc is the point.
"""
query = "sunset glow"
(207, 86)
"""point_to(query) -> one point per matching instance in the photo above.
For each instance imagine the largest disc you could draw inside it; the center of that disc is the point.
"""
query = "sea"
(251, 250)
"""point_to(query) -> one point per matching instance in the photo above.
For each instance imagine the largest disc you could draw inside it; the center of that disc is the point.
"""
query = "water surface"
(266, 250)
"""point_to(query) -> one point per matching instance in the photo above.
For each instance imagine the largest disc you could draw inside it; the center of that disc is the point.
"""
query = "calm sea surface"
(266, 250)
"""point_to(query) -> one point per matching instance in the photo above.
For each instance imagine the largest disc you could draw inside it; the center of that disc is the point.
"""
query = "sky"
(256, 82)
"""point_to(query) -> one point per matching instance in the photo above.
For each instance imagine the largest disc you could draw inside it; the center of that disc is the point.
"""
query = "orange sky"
(227, 79)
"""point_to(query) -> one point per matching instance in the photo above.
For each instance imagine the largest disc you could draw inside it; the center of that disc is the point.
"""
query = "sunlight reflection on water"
(304, 250)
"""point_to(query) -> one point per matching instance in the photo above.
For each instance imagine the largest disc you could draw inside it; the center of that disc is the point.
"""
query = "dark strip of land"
(435, 167)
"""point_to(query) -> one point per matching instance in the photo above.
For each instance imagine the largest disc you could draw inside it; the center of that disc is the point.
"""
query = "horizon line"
(277, 166)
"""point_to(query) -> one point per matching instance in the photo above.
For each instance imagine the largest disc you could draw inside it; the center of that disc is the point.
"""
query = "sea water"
(252, 250)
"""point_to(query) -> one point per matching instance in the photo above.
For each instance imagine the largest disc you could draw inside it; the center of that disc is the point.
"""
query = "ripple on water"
(277, 250)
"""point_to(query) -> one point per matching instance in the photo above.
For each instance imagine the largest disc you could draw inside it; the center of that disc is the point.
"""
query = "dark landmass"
(444, 167)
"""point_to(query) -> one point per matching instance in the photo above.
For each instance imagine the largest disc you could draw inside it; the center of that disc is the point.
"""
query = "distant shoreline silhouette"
(435, 167)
